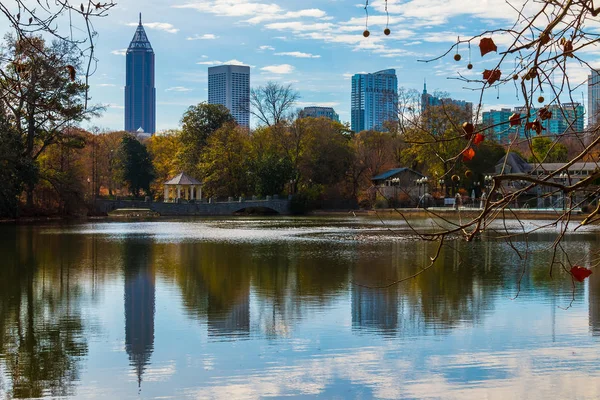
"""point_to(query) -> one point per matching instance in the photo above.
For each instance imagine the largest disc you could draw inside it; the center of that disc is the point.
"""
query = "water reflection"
(42, 338)
(139, 302)
(280, 316)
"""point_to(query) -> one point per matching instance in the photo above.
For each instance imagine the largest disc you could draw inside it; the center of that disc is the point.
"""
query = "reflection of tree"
(139, 302)
(451, 293)
(216, 280)
(41, 330)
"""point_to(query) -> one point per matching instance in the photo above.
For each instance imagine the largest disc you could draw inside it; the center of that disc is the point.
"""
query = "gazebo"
(184, 186)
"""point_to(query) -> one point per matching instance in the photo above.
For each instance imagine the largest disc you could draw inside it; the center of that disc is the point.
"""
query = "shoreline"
(527, 214)
(400, 213)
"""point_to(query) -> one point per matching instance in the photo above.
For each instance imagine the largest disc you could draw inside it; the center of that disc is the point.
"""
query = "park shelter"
(183, 186)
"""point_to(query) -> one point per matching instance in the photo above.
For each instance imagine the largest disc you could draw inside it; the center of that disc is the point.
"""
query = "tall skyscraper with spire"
(140, 94)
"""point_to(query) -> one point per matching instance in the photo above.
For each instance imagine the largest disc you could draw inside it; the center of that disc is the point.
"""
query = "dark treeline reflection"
(245, 289)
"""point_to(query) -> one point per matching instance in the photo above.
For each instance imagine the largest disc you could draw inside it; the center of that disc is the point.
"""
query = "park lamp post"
(421, 182)
(441, 182)
(395, 184)
(488, 179)
(563, 179)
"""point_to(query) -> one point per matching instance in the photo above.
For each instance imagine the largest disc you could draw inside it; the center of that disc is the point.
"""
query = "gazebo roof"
(183, 179)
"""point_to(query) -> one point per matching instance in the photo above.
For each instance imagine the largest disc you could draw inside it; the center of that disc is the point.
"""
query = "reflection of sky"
(523, 348)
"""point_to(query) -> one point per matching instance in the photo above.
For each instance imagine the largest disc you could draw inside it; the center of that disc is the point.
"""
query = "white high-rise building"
(374, 100)
(593, 99)
(229, 85)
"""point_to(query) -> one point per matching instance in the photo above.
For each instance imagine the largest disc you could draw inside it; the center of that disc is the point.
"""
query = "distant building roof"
(578, 166)
(183, 179)
(389, 173)
(512, 163)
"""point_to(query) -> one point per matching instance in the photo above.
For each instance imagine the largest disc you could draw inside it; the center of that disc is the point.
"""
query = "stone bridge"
(280, 206)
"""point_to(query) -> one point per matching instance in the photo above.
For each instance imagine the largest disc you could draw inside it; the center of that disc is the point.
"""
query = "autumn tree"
(42, 95)
(164, 149)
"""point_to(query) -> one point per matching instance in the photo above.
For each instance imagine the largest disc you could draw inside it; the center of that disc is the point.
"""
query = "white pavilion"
(183, 186)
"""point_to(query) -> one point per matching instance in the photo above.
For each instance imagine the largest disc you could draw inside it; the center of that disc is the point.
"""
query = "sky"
(315, 45)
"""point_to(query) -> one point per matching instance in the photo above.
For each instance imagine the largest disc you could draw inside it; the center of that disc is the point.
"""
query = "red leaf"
(468, 128)
(491, 76)
(478, 138)
(536, 126)
(515, 119)
(486, 45)
(71, 70)
(568, 48)
(468, 154)
(544, 113)
(580, 273)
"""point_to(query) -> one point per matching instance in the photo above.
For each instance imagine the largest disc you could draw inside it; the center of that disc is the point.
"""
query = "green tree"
(198, 123)
(270, 168)
(225, 162)
(547, 150)
(41, 94)
(15, 170)
(136, 165)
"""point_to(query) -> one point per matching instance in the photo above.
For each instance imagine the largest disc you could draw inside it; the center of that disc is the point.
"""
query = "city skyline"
(313, 45)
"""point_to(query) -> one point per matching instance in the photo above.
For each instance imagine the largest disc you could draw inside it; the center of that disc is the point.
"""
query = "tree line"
(51, 165)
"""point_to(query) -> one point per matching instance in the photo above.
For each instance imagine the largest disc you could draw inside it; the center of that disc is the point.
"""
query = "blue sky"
(316, 45)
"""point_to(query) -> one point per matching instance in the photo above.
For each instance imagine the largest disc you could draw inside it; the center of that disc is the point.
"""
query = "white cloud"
(278, 69)
(206, 36)
(178, 89)
(265, 47)
(233, 8)
(308, 13)
(297, 26)
(298, 54)
(159, 26)
(119, 52)
(233, 62)
(230, 62)
(106, 85)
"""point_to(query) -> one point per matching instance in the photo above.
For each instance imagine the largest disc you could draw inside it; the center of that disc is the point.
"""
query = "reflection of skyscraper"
(139, 306)
(375, 309)
(231, 321)
(140, 94)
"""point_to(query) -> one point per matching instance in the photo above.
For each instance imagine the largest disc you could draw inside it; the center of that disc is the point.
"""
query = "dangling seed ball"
(515, 77)
(457, 57)
(455, 178)
(387, 31)
(541, 99)
(469, 66)
(366, 33)
(468, 173)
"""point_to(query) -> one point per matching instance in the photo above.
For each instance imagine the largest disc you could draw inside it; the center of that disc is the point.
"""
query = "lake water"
(250, 308)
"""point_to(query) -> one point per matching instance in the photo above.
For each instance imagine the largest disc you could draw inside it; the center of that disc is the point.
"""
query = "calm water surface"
(253, 308)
